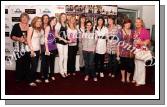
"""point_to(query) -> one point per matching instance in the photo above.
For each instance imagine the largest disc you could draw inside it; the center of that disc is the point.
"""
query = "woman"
(101, 32)
(81, 30)
(19, 35)
(35, 33)
(45, 20)
(62, 44)
(89, 46)
(51, 48)
(72, 46)
(126, 56)
(141, 39)
(112, 38)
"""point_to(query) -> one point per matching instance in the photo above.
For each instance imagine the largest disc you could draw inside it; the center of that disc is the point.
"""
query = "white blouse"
(101, 35)
(36, 39)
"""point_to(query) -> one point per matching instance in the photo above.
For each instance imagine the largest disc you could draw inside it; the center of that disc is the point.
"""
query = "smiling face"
(63, 18)
(24, 19)
(127, 25)
(53, 22)
(139, 23)
(110, 21)
(45, 19)
(88, 26)
(100, 22)
(38, 23)
(72, 20)
(83, 20)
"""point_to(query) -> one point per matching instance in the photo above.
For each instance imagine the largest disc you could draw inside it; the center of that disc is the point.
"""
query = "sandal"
(32, 84)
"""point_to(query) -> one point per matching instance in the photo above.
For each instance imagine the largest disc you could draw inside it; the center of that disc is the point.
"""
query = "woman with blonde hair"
(62, 44)
(72, 46)
(19, 35)
(35, 33)
(141, 40)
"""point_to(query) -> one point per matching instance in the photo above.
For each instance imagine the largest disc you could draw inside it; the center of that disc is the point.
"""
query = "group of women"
(47, 37)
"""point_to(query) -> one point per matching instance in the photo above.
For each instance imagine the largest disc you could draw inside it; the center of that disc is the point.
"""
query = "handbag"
(143, 55)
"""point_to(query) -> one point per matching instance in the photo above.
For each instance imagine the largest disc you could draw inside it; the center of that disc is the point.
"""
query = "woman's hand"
(118, 58)
(21, 39)
(32, 53)
(47, 53)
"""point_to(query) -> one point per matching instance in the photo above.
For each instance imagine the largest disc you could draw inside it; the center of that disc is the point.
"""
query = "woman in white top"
(33, 38)
(72, 46)
(101, 34)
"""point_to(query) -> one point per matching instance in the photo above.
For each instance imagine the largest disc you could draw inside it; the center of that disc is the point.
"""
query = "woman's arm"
(60, 38)
(29, 38)
(14, 34)
(46, 39)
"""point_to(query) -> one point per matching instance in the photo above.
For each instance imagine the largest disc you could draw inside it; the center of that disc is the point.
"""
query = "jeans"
(33, 68)
(50, 63)
(43, 63)
(89, 63)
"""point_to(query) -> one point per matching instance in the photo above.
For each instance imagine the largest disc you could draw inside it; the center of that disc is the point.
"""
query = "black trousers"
(99, 62)
(127, 64)
(33, 69)
(113, 64)
(50, 63)
(72, 52)
(22, 67)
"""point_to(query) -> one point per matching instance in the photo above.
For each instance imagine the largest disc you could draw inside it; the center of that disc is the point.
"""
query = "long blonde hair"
(33, 23)
(72, 18)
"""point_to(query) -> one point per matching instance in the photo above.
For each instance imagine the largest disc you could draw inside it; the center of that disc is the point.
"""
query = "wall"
(147, 13)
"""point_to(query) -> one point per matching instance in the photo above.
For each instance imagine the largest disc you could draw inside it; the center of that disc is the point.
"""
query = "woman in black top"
(18, 34)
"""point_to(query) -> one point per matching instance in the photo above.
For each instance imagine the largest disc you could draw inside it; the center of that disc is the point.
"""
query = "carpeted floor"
(75, 85)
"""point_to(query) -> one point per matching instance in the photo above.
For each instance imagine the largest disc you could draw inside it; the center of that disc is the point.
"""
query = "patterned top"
(51, 40)
(112, 39)
(127, 43)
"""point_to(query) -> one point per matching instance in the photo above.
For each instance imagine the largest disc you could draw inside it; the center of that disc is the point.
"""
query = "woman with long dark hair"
(81, 31)
(101, 32)
(89, 47)
(51, 48)
(45, 22)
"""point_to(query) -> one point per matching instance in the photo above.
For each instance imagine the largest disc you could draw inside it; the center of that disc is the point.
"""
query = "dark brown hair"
(126, 21)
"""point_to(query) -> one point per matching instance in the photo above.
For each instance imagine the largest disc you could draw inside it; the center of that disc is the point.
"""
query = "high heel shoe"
(63, 75)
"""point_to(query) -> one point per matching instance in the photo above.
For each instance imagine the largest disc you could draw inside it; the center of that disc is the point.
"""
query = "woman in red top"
(126, 59)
